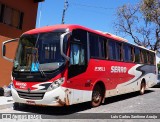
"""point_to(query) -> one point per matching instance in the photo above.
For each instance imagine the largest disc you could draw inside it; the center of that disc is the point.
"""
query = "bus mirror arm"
(61, 45)
(4, 49)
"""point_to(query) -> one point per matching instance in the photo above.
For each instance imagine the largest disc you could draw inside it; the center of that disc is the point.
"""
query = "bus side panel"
(118, 78)
(146, 72)
(111, 73)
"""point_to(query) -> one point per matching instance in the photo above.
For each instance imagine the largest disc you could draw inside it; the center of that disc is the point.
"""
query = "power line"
(66, 4)
(91, 6)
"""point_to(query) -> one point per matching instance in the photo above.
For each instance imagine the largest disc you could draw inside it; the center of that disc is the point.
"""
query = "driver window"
(77, 55)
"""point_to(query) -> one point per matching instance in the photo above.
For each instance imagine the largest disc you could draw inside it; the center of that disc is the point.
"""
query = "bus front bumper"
(56, 97)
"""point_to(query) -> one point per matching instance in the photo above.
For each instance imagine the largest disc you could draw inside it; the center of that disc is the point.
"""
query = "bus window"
(145, 59)
(127, 53)
(112, 50)
(77, 55)
(137, 55)
(79, 42)
(141, 56)
(115, 50)
(132, 54)
(97, 46)
(102, 48)
(152, 58)
(94, 50)
(148, 57)
(118, 52)
(74, 56)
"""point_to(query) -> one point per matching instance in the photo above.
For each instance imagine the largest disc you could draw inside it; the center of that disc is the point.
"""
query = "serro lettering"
(118, 69)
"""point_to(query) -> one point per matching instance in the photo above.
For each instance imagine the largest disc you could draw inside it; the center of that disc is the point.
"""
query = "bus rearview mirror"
(4, 50)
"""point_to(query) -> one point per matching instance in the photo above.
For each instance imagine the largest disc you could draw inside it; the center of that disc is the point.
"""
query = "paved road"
(128, 103)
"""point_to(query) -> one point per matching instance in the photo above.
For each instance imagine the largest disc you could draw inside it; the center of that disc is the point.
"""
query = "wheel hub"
(96, 97)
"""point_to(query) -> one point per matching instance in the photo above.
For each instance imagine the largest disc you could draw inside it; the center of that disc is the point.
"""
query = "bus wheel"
(16, 106)
(142, 87)
(96, 96)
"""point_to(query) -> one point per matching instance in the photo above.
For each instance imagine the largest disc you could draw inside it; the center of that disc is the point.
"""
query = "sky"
(94, 14)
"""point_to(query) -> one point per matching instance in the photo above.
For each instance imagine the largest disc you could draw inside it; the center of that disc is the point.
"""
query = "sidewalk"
(5, 102)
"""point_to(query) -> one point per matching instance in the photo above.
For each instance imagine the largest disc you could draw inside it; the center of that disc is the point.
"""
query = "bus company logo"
(21, 85)
(101, 69)
(118, 69)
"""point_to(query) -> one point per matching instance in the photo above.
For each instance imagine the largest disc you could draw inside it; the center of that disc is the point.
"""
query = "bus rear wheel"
(97, 96)
(142, 88)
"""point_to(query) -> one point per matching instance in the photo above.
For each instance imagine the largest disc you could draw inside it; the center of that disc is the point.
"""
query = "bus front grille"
(33, 96)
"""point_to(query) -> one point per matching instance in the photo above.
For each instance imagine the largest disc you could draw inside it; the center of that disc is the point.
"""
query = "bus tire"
(97, 96)
(142, 87)
(16, 106)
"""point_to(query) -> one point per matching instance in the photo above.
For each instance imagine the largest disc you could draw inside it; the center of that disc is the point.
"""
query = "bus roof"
(72, 27)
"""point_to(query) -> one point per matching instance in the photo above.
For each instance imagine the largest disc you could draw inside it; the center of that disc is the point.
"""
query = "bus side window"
(132, 54)
(148, 57)
(77, 56)
(115, 52)
(145, 59)
(137, 55)
(141, 57)
(97, 46)
(152, 58)
(94, 46)
(102, 48)
(78, 53)
(112, 50)
(118, 52)
(127, 53)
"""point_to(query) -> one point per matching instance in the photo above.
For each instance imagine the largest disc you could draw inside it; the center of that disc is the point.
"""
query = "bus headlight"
(56, 84)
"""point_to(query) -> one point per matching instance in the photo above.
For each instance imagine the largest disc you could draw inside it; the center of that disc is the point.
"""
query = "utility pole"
(64, 10)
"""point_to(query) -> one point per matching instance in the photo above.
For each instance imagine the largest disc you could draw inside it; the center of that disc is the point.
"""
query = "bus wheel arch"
(142, 86)
(98, 94)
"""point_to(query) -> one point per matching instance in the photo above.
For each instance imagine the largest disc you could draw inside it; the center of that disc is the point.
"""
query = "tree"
(141, 22)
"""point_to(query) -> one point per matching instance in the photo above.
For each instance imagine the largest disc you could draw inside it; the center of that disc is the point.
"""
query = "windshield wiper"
(37, 61)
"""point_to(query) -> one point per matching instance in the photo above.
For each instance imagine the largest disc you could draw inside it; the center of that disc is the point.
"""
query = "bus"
(68, 64)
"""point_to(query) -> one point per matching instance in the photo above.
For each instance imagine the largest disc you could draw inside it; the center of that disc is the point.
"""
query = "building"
(16, 17)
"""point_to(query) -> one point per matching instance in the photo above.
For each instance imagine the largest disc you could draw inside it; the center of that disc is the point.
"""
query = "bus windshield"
(39, 52)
